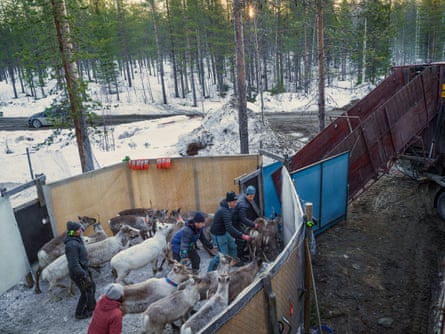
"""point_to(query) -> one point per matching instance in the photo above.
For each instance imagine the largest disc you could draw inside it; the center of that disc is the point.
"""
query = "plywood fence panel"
(170, 188)
(100, 194)
(192, 183)
(189, 183)
(216, 176)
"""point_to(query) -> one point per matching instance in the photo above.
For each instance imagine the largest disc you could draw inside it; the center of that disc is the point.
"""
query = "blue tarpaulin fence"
(324, 184)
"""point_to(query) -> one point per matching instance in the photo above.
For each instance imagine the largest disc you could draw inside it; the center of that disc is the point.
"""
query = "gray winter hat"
(250, 190)
(73, 226)
(114, 291)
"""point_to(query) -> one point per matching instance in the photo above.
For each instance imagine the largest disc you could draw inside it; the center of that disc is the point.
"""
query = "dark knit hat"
(73, 226)
(114, 291)
(199, 217)
(250, 190)
(231, 196)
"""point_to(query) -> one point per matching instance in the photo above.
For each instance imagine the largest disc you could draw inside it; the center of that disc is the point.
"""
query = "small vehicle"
(46, 118)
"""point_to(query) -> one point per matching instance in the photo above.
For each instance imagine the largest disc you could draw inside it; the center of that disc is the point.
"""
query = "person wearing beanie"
(223, 232)
(107, 316)
(244, 215)
(77, 258)
(184, 241)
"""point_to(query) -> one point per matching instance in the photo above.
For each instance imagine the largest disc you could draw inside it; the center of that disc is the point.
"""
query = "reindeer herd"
(173, 297)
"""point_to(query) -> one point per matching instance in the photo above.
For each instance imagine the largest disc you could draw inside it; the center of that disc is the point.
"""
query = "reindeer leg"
(38, 273)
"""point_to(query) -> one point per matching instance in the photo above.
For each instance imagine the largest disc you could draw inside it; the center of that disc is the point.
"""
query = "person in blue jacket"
(184, 241)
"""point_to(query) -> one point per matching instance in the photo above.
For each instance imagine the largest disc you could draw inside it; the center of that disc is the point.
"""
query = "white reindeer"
(140, 295)
(98, 253)
(137, 256)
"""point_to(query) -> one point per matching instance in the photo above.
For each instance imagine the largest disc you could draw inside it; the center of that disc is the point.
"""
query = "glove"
(246, 237)
(185, 261)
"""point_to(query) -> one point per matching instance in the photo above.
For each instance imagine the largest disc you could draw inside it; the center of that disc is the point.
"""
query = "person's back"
(107, 316)
(77, 259)
(222, 221)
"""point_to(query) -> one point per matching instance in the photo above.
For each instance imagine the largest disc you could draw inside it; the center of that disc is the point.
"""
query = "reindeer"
(140, 255)
(214, 306)
(240, 278)
(174, 306)
(98, 253)
(264, 242)
(140, 295)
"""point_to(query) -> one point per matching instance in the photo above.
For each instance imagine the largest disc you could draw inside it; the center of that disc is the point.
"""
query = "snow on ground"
(147, 139)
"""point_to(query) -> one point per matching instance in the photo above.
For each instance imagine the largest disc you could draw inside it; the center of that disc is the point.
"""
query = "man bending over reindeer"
(184, 241)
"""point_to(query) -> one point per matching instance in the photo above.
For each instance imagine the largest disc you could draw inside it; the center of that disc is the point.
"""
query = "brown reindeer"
(240, 278)
(264, 242)
(271, 238)
(173, 307)
(214, 306)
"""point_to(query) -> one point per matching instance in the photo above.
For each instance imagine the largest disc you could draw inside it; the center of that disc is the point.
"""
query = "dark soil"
(379, 271)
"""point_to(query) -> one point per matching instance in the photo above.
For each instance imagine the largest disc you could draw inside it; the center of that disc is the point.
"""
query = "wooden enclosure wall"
(190, 183)
(99, 194)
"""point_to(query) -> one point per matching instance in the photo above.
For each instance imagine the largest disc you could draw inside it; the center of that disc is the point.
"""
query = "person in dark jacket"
(77, 257)
(222, 230)
(184, 241)
(107, 316)
(244, 215)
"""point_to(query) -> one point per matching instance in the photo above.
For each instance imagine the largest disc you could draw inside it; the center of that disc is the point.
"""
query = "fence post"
(271, 300)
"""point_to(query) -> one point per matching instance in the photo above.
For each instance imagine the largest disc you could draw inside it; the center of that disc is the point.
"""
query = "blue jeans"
(226, 245)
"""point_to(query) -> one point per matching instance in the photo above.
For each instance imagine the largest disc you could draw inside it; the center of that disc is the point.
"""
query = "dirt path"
(377, 272)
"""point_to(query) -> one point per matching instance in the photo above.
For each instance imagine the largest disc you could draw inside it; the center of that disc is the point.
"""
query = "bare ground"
(379, 271)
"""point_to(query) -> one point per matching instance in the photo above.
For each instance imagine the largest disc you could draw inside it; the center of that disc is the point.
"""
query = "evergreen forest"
(111, 40)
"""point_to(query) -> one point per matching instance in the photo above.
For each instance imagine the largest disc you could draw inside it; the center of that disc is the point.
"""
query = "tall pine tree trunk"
(123, 39)
(73, 84)
(159, 51)
(321, 76)
(172, 51)
(306, 70)
(240, 69)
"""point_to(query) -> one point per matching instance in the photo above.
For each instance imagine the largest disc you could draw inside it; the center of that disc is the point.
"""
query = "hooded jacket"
(107, 317)
(184, 240)
(77, 256)
(243, 214)
(222, 222)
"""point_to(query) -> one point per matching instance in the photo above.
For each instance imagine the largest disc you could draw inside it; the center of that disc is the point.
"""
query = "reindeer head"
(86, 221)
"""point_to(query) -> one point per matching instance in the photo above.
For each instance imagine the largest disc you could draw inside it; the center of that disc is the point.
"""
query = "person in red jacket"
(107, 316)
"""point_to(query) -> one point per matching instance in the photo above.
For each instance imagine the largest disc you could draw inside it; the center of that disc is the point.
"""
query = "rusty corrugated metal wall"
(380, 127)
